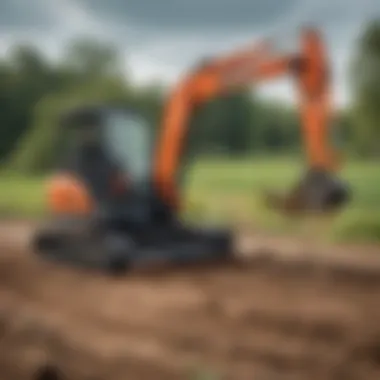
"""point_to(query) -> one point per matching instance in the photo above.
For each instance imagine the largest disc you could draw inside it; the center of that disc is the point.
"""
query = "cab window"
(128, 140)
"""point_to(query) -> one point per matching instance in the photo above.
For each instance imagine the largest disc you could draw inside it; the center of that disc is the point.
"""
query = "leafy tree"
(365, 73)
(24, 79)
(92, 59)
(38, 149)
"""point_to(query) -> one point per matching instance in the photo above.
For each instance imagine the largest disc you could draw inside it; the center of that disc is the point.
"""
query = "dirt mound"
(275, 317)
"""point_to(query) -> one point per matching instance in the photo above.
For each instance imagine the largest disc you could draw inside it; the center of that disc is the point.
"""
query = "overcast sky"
(162, 38)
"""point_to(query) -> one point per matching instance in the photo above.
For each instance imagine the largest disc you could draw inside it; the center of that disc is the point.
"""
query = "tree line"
(34, 91)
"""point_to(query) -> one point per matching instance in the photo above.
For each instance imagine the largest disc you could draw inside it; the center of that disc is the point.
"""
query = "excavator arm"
(250, 66)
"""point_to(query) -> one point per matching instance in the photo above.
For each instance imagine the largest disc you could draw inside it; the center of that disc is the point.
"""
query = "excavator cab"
(106, 210)
(119, 136)
(111, 150)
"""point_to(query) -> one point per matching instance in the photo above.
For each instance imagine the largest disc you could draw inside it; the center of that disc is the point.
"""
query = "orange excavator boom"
(246, 67)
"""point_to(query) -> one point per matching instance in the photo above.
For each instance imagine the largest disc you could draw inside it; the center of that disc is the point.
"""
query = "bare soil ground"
(289, 311)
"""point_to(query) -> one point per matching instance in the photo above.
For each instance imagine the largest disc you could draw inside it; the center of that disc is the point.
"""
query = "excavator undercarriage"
(118, 250)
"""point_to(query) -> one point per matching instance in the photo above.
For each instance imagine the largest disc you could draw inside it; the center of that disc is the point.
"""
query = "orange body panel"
(67, 195)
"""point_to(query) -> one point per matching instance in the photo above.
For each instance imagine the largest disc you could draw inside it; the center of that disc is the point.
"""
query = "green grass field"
(218, 186)
(231, 191)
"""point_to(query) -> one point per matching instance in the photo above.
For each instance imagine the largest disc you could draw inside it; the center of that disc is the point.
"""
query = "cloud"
(162, 39)
(22, 14)
(190, 15)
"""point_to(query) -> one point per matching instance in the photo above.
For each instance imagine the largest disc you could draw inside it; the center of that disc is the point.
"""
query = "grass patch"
(231, 191)
(21, 196)
(358, 226)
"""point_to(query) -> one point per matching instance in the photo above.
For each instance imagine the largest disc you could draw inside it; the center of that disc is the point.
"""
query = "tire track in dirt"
(264, 320)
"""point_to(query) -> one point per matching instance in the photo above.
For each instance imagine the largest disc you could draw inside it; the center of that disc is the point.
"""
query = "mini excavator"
(115, 202)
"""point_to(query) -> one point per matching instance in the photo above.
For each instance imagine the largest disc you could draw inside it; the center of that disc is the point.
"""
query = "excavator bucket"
(318, 192)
